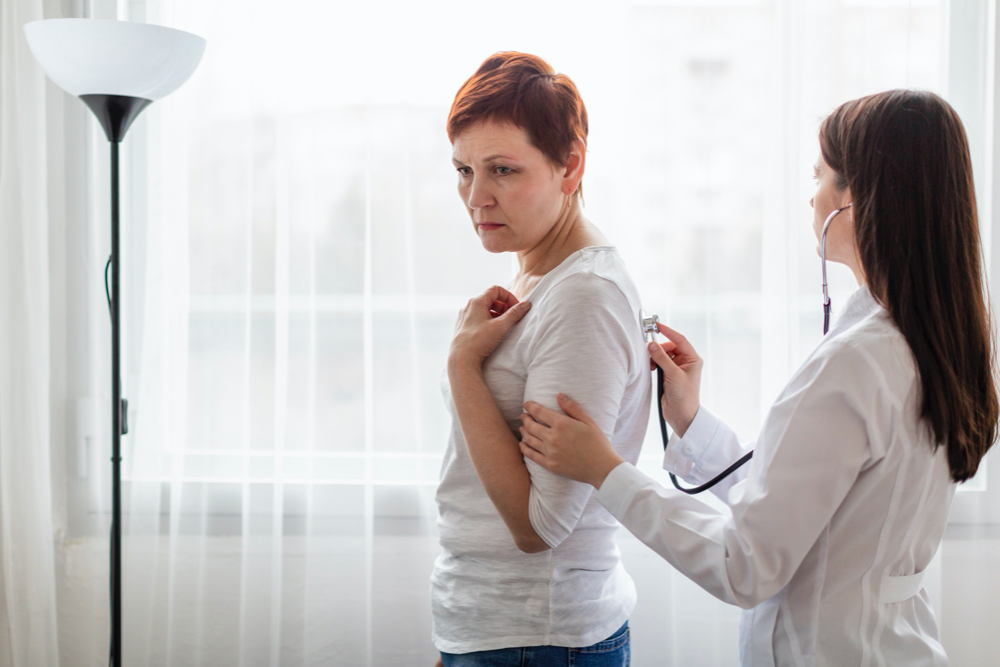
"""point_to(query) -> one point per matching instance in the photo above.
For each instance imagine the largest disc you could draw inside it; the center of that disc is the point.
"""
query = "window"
(297, 254)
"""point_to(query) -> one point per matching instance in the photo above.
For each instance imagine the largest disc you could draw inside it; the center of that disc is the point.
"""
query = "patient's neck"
(571, 232)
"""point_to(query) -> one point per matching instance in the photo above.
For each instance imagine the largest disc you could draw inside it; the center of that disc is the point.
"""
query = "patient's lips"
(488, 225)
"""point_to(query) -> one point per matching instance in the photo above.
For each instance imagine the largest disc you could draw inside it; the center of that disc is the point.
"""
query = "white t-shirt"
(581, 337)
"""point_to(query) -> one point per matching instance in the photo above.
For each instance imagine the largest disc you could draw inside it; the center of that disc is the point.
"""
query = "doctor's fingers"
(533, 454)
(682, 347)
(532, 440)
(660, 357)
(533, 427)
(543, 415)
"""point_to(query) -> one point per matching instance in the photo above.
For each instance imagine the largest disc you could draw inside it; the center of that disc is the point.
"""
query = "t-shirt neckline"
(560, 265)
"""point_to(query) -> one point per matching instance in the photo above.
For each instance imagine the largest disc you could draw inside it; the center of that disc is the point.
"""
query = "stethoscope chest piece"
(649, 328)
(649, 331)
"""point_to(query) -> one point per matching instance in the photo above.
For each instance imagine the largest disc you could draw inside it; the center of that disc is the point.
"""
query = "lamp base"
(115, 112)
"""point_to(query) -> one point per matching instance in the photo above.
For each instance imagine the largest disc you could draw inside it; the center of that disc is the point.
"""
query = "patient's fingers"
(501, 295)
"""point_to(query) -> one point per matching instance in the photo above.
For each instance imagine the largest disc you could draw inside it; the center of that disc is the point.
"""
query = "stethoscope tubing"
(666, 438)
(827, 307)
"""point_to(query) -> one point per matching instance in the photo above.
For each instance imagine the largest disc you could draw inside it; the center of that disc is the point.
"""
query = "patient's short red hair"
(524, 90)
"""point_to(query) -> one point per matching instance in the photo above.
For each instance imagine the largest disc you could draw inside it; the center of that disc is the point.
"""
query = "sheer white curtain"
(299, 253)
(27, 579)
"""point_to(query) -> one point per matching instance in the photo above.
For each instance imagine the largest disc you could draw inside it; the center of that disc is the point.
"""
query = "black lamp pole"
(116, 113)
(152, 61)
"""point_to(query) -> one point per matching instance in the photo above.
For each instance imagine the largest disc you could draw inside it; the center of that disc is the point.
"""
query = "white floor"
(970, 597)
(674, 623)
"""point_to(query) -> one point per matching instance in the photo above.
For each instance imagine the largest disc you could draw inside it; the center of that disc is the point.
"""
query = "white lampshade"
(104, 57)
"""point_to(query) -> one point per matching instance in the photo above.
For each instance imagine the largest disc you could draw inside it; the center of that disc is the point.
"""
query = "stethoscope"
(649, 331)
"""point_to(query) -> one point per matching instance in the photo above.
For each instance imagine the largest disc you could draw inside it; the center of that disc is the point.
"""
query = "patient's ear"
(574, 167)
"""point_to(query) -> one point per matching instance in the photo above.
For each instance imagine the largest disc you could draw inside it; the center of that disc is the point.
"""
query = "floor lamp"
(118, 69)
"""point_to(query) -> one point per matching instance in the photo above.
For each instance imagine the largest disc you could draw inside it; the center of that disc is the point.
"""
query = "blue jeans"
(615, 651)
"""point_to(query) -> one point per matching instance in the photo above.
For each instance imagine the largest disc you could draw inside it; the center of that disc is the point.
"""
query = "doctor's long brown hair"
(905, 157)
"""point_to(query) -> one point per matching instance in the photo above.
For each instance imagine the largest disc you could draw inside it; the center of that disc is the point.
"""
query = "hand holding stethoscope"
(827, 307)
(574, 446)
(679, 376)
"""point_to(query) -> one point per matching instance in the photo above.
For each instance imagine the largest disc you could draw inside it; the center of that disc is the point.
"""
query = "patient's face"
(512, 191)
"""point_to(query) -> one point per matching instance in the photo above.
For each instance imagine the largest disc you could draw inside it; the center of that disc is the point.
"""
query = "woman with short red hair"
(529, 573)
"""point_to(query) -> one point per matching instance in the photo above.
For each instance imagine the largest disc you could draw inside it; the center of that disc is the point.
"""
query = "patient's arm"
(495, 453)
(493, 447)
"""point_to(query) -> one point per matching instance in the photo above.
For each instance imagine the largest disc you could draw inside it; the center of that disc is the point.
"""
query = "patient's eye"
(503, 171)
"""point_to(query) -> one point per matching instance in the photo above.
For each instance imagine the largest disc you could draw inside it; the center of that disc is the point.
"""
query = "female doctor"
(846, 498)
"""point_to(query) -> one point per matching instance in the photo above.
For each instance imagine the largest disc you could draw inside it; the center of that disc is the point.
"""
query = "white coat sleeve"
(812, 446)
(582, 350)
(707, 448)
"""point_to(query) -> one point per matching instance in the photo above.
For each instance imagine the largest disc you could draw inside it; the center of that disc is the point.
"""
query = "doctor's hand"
(481, 326)
(571, 445)
(681, 378)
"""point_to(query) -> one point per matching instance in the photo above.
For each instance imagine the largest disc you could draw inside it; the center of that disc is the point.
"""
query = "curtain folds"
(28, 635)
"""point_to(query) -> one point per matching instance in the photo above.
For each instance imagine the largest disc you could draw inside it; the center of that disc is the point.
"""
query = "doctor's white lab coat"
(833, 520)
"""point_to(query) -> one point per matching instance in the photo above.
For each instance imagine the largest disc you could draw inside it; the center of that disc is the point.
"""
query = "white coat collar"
(859, 305)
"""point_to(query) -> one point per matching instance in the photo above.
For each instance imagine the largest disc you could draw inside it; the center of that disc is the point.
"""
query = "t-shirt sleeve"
(582, 349)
